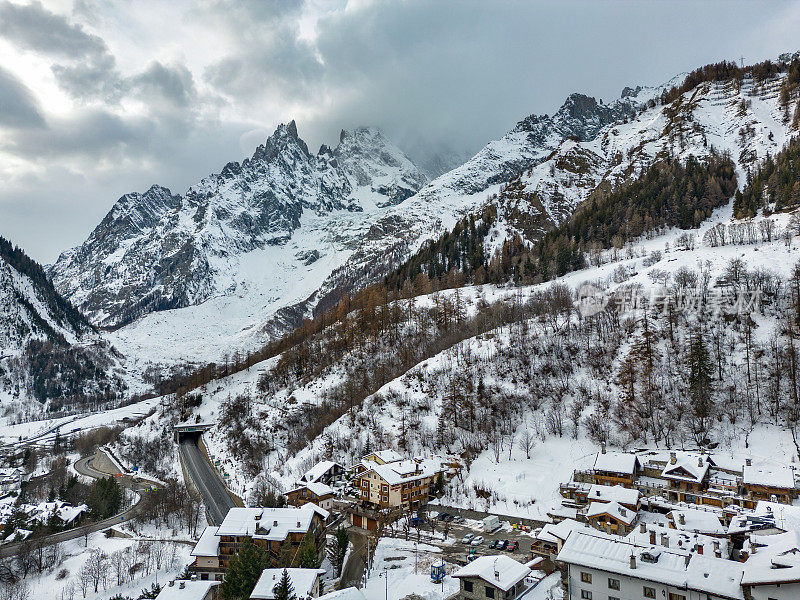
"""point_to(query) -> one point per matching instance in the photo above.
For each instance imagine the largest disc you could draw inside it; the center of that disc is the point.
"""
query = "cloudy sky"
(98, 98)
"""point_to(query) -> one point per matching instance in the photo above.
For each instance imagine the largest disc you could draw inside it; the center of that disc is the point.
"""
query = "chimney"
(665, 540)
(716, 545)
(653, 537)
(182, 585)
(673, 458)
(681, 519)
(748, 462)
(602, 447)
(700, 461)
(633, 561)
(699, 548)
(171, 583)
(274, 523)
(643, 527)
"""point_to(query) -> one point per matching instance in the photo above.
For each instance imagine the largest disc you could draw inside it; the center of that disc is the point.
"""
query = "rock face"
(158, 250)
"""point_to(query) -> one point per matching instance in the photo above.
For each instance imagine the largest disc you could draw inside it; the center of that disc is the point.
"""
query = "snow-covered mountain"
(48, 349)
(248, 253)
(158, 250)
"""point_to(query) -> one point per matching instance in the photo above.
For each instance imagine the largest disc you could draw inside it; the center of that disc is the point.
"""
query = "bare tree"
(527, 441)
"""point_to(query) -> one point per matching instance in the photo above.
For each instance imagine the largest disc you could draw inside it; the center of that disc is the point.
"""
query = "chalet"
(615, 468)
(499, 577)
(273, 529)
(306, 583)
(325, 471)
(611, 517)
(318, 493)
(687, 477)
(627, 497)
(769, 483)
(602, 566)
(351, 593)
(549, 539)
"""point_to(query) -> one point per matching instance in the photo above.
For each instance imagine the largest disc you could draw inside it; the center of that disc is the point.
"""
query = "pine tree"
(307, 556)
(244, 570)
(700, 371)
(284, 590)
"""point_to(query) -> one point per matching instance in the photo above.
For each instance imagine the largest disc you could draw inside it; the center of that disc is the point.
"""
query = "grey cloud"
(18, 107)
(173, 84)
(34, 27)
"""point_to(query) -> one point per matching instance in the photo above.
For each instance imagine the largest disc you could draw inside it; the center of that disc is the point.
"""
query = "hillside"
(50, 352)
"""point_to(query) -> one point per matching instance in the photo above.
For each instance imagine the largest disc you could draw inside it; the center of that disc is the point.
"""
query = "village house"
(611, 517)
(599, 566)
(318, 493)
(275, 530)
(769, 483)
(627, 497)
(772, 571)
(693, 520)
(615, 468)
(404, 484)
(495, 577)
(687, 477)
(326, 471)
(306, 583)
(549, 539)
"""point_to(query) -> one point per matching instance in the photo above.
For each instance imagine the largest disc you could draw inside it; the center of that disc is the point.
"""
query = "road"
(353, 570)
(215, 495)
(84, 467)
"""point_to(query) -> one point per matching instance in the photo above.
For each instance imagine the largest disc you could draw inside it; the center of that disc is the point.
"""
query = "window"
(489, 592)
(613, 598)
(467, 586)
(586, 577)
(649, 592)
(613, 584)
(676, 596)
(586, 595)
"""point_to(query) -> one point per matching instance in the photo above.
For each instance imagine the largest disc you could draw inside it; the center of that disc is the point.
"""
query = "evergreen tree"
(700, 369)
(243, 571)
(307, 556)
(284, 590)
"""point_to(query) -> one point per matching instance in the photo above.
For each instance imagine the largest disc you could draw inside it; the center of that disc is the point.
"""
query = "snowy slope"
(32, 311)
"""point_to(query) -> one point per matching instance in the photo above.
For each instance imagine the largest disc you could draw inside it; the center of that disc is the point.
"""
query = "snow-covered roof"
(208, 544)
(406, 470)
(302, 581)
(775, 476)
(350, 593)
(615, 462)
(679, 541)
(269, 523)
(612, 509)
(552, 532)
(19, 534)
(613, 493)
(318, 470)
(318, 489)
(776, 560)
(501, 571)
(663, 565)
(385, 456)
(766, 515)
(699, 521)
(687, 468)
(191, 590)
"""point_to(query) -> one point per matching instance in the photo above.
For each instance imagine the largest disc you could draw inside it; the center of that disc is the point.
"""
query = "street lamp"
(385, 575)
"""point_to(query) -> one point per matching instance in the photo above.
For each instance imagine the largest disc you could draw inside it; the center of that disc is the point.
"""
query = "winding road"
(84, 467)
(215, 495)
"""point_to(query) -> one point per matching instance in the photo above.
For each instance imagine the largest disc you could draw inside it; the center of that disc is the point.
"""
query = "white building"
(189, 590)
(603, 567)
(304, 581)
(499, 577)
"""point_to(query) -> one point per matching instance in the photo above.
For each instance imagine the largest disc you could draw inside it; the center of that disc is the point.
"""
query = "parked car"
(467, 538)
(442, 516)
(476, 541)
(449, 518)
(460, 519)
(502, 544)
(513, 546)
(493, 543)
